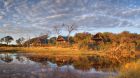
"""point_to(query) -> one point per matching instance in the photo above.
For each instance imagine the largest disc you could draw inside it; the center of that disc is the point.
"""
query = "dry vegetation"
(130, 70)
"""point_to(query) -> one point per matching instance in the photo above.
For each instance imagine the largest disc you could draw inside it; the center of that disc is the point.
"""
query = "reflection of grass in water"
(83, 64)
(79, 62)
(130, 70)
(99, 63)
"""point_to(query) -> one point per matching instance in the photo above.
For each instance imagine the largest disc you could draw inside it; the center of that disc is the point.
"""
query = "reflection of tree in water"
(41, 60)
(62, 62)
(7, 58)
(83, 64)
(19, 58)
(44, 60)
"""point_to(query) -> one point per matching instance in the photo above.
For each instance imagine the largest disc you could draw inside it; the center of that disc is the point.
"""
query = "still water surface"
(20, 65)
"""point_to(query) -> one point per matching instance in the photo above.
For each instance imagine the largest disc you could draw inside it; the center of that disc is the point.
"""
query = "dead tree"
(57, 29)
(70, 28)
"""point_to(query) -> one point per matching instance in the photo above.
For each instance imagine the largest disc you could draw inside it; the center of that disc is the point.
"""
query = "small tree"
(1, 40)
(82, 39)
(7, 39)
(70, 28)
(20, 41)
(57, 29)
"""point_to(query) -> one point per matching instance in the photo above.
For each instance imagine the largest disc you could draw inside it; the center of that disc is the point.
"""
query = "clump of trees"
(97, 41)
(6, 39)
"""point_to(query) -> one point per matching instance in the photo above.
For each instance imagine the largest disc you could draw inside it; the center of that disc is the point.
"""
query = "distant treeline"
(84, 40)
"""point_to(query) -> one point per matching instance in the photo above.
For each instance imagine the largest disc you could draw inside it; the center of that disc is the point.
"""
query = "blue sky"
(32, 17)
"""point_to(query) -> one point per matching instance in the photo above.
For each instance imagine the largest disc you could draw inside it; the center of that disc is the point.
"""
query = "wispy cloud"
(39, 15)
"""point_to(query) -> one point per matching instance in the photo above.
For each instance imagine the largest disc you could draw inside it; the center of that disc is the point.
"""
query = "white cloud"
(91, 13)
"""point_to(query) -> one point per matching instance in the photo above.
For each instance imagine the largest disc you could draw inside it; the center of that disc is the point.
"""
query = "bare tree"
(47, 32)
(70, 28)
(57, 29)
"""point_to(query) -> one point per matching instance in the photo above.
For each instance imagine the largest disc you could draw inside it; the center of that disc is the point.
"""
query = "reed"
(130, 70)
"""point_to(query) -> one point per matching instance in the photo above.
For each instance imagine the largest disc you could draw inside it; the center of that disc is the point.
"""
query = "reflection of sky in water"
(16, 59)
(20, 59)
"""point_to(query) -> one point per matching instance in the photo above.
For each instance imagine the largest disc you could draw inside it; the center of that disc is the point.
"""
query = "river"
(21, 65)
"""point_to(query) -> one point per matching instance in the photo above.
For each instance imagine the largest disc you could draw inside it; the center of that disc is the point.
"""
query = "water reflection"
(28, 66)
(6, 57)
(84, 64)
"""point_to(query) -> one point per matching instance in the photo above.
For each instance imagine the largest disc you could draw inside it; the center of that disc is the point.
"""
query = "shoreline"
(65, 54)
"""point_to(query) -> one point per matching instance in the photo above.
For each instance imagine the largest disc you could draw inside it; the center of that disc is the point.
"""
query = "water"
(24, 65)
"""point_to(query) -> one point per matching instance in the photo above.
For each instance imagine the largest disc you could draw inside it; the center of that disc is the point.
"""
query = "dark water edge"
(25, 65)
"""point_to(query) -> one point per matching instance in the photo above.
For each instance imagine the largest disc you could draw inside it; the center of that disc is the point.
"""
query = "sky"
(32, 17)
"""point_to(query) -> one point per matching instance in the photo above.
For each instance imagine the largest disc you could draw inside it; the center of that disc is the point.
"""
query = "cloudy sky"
(32, 17)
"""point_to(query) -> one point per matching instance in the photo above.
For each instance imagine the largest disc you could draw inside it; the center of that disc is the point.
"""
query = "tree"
(82, 39)
(57, 29)
(7, 39)
(1, 40)
(70, 28)
(7, 58)
(20, 41)
(52, 40)
(46, 33)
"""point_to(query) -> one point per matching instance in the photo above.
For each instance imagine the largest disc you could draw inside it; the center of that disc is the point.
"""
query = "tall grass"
(130, 70)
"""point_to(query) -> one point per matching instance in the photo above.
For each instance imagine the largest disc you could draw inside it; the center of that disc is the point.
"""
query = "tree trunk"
(7, 43)
(68, 39)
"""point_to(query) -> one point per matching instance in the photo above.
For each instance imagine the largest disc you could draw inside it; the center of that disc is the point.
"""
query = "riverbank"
(59, 51)
(70, 54)
(46, 50)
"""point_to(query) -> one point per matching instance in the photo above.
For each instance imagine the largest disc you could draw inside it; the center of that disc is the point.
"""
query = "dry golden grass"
(47, 50)
(58, 51)
(130, 70)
